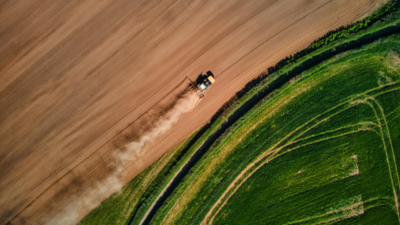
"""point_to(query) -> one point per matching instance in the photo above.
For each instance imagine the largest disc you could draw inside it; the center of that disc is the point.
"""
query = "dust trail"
(71, 212)
(132, 152)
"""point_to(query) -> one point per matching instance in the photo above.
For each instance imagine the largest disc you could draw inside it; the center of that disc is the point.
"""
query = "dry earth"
(74, 74)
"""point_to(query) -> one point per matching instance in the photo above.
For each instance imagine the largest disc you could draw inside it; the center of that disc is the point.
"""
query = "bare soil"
(74, 74)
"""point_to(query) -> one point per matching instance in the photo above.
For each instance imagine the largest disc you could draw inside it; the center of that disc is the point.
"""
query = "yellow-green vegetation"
(324, 150)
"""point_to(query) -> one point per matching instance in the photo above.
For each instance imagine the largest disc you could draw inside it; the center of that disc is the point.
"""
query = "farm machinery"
(202, 83)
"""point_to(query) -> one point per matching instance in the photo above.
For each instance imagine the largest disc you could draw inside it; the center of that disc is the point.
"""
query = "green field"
(337, 160)
(324, 148)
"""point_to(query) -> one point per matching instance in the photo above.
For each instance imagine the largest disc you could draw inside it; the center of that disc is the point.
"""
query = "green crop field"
(336, 161)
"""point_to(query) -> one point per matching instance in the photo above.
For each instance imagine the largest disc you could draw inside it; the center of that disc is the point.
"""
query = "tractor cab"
(207, 82)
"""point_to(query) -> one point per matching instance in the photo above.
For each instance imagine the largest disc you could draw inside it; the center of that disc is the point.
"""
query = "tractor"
(207, 83)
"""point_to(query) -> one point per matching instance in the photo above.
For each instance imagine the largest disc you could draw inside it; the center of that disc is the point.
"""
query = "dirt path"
(75, 73)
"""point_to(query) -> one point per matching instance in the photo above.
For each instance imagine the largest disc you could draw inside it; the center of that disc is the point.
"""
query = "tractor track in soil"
(69, 82)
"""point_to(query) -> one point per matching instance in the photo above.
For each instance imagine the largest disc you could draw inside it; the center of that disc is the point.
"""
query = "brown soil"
(74, 74)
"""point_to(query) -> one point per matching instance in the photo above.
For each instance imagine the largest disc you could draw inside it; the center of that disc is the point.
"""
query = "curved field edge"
(130, 204)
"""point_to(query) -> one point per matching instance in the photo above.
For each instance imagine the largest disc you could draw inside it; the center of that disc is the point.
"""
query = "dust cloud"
(132, 152)
(71, 211)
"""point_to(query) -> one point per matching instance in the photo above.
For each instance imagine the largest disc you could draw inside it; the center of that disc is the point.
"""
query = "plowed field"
(73, 74)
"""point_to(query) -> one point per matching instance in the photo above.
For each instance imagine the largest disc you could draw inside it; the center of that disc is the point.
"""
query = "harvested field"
(74, 74)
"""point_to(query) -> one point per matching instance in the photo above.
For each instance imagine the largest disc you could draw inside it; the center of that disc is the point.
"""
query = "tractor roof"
(211, 79)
